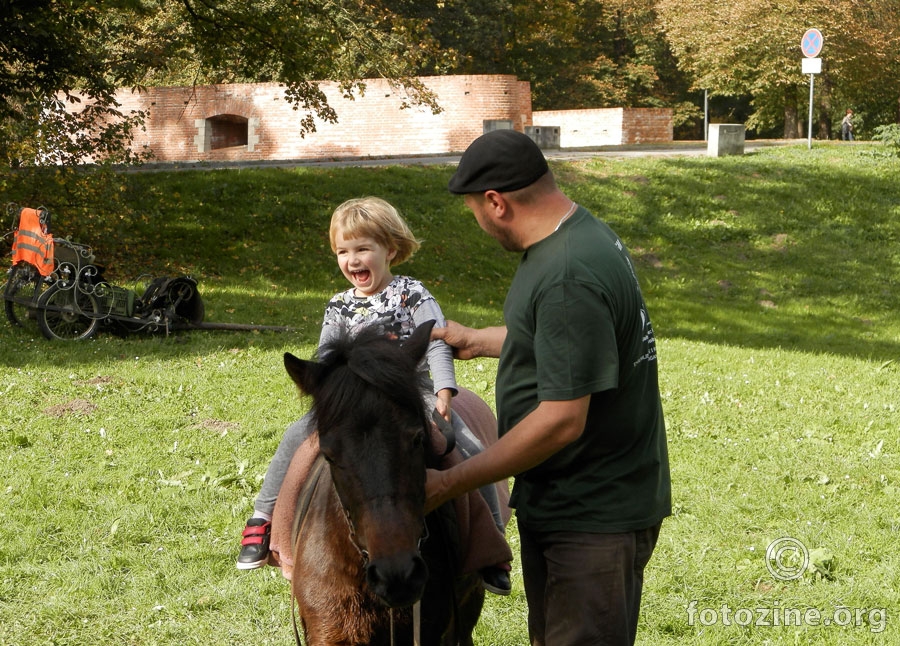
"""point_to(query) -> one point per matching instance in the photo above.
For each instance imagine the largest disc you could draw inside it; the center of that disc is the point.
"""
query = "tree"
(55, 55)
(52, 55)
(863, 61)
(301, 42)
(593, 54)
(459, 36)
(575, 53)
(752, 48)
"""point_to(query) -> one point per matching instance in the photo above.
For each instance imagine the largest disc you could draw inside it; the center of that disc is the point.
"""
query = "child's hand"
(443, 403)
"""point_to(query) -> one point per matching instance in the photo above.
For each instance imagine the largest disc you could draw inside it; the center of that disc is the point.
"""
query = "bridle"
(307, 493)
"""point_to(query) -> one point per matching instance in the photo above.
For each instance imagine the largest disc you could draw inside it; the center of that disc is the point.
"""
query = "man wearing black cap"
(578, 406)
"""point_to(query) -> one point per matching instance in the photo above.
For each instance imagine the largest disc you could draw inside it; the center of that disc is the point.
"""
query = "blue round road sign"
(812, 43)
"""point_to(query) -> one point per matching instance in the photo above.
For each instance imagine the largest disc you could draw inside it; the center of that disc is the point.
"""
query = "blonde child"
(369, 237)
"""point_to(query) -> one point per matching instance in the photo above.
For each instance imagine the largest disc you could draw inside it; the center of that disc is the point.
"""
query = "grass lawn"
(129, 465)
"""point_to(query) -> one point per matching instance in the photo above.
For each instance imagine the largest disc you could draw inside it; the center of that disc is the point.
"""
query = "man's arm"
(469, 343)
(550, 427)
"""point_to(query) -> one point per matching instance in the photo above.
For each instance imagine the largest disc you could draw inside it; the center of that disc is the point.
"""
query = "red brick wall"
(181, 127)
(646, 125)
(371, 125)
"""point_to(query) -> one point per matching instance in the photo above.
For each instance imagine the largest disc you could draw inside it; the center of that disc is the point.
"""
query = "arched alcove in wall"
(224, 131)
(227, 131)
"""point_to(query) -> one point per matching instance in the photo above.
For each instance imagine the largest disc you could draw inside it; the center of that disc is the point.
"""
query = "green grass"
(129, 465)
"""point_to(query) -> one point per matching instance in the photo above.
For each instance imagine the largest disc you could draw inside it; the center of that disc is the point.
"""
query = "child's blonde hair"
(374, 218)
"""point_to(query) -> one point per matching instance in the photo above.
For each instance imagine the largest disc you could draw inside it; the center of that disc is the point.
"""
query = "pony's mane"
(356, 364)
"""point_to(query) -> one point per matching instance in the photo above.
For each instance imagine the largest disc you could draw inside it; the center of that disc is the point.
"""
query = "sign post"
(811, 44)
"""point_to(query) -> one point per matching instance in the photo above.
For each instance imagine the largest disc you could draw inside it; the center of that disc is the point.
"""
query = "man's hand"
(457, 337)
(550, 427)
(469, 343)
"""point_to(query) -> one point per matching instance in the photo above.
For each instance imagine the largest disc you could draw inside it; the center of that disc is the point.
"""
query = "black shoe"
(496, 580)
(254, 544)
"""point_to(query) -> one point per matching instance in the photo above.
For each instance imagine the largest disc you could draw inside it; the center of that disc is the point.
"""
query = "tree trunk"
(792, 124)
(823, 130)
(825, 105)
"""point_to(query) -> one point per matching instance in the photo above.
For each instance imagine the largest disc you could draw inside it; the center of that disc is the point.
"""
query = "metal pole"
(705, 114)
(809, 140)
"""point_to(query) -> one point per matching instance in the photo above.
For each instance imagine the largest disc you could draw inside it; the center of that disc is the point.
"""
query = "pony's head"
(374, 433)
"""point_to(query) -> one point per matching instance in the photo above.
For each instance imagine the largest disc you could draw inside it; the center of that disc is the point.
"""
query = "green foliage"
(752, 48)
(580, 55)
(889, 135)
(455, 36)
(63, 63)
(57, 56)
(130, 465)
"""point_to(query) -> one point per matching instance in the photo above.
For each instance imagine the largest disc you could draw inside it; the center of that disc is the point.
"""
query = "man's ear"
(496, 204)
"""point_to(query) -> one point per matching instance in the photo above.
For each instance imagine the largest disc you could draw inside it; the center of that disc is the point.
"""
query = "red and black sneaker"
(254, 544)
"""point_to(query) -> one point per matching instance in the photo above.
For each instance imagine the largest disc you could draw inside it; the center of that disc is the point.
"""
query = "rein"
(307, 492)
(310, 485)
(446, 430)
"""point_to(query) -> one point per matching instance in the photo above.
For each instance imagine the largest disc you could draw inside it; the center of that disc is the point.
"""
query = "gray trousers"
(466, 441)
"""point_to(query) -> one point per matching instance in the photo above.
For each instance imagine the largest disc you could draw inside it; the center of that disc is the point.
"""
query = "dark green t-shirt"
(577, 325)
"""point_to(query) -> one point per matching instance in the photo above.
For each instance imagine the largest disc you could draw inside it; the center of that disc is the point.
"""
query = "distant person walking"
(847, 126)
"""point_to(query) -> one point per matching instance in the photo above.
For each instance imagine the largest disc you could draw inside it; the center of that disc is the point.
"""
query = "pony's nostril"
(398, 582)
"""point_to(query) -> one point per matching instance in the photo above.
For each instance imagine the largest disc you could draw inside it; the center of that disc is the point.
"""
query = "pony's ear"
(416, 345)
(306, 374)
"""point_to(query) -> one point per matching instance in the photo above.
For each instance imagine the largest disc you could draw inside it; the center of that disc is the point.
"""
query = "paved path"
(675, 149)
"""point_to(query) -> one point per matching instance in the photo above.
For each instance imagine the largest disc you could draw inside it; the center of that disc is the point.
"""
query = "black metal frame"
(75, 300)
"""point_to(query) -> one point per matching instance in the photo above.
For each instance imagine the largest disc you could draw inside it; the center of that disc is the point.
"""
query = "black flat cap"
(500, 160)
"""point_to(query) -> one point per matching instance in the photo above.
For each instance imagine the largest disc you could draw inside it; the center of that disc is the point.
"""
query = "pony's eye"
(418, 440)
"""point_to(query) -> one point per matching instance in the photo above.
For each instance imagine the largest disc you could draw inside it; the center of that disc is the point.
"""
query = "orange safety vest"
(33, 243)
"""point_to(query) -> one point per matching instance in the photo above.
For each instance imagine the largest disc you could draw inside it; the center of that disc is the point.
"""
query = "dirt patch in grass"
(80, 407)
(218, 426)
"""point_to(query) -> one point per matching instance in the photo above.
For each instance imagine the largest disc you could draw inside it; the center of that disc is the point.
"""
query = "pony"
(369, 567)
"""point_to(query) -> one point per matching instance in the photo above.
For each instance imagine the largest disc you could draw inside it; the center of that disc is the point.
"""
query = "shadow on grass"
(24, 348)
(781, 248)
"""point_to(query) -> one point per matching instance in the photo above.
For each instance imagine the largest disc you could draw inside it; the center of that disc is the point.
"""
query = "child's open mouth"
(361, 275)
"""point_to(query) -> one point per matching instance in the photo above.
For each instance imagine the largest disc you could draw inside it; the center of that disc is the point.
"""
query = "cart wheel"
(65, 312)
(20, 296)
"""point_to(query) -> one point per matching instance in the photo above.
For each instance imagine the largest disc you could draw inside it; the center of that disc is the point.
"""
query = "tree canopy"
(575, 53)
(79, 51)
(752, 48)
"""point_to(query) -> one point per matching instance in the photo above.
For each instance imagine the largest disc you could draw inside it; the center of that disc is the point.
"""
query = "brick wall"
(608, 126)
(185, 123)
(251, 122)
(646, 125)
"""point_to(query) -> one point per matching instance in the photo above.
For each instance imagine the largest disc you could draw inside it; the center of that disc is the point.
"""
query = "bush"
(889, 135)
